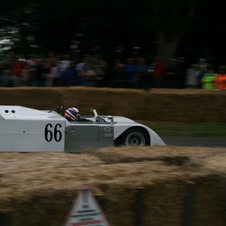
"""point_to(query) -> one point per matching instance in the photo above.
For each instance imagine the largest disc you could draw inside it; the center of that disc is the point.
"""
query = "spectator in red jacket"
(17, 68)
(159, 71)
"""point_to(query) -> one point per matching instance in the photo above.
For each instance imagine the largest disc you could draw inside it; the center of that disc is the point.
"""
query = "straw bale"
(162, 209)
(108, 165)
(155, 104)
(184, 106)
(40, 187)
(107, 101)
(23, 173)
(41, 98)
(209, 200)
(184, 155)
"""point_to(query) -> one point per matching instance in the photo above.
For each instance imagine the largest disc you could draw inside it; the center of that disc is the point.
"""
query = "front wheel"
(135, 137)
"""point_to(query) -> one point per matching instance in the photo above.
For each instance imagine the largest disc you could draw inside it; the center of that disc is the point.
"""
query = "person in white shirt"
(193, 76)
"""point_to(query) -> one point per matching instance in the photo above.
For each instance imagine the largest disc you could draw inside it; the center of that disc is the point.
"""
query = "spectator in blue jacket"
(70, 77)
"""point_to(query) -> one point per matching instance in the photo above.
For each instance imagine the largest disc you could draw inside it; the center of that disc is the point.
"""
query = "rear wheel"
(135, 137)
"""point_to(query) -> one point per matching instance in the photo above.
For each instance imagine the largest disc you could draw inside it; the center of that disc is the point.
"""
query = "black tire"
(135, 137)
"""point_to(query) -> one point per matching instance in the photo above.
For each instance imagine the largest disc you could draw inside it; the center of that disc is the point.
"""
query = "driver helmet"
(72, 114)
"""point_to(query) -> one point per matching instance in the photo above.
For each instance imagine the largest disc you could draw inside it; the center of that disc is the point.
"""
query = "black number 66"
(54, 133)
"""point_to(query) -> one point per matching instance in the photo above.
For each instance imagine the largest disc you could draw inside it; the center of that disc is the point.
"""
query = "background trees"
(190, 28)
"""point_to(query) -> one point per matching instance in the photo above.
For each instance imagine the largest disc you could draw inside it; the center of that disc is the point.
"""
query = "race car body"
(25, 129)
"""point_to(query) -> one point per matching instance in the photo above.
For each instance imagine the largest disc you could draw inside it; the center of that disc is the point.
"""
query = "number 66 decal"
(53, 132)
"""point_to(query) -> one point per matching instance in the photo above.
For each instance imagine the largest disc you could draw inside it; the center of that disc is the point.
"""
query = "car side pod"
(29, 130)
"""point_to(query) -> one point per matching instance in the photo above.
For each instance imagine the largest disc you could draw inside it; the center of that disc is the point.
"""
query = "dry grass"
(39, 187)
(23, 174)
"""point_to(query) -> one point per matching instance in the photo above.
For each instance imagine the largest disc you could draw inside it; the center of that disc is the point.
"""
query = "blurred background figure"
(5, 79)
(102, 72)
(64, 63)
(25, 75)
(181, 72)
(118, 75)
(130, 71)
(89, 73)
(193, 77)
(220, 81)
(208, 80)
(143, 75)
(159, 71)
(70, 77)
(171, 79)
(17, 68)
(44, 72)
(79, 69)
(53, 76)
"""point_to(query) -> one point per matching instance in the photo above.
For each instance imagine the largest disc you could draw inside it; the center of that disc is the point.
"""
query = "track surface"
(196, 141)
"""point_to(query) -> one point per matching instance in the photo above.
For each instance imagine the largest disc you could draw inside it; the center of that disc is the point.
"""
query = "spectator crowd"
(92, 71)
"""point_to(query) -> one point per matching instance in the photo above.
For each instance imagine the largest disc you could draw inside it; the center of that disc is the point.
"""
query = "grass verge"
(187, 129)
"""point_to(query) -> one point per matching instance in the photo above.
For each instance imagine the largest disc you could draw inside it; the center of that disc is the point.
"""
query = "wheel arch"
(119, 141)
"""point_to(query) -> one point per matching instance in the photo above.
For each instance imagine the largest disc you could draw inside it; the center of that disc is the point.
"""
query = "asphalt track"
(196, 141)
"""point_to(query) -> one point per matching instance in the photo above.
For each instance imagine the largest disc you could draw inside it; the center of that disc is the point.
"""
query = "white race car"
(25, 129)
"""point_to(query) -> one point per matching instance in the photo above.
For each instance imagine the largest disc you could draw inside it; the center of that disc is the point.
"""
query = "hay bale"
(155, 105)
(125, 154)
(24, 173)
(186, 105)
(106, 101)
(39, 187)
(41, 98)
(209, 200)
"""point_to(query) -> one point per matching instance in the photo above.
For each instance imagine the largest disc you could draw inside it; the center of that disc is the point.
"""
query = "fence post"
(138, 207)
(6, 218)
(189, 205)
(100, 200)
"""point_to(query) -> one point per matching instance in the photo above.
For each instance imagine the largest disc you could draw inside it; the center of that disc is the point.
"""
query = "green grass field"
(187, 129)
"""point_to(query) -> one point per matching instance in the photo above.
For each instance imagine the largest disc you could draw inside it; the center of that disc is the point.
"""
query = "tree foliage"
(167, 27)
